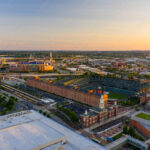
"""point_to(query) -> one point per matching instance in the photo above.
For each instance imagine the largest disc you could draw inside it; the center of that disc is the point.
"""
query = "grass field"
(117, 96)
(143, 116)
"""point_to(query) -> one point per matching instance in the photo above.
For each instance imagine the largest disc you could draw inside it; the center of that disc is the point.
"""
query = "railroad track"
(22, 94)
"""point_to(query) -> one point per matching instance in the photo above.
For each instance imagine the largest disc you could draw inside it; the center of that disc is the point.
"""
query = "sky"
(75, 25)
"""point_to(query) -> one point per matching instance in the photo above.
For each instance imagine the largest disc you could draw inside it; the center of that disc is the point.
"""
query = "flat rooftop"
(29, 130)
(47, 100)
(143, 116)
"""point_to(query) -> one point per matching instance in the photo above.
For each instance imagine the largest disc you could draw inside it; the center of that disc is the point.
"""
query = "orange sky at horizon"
(75, 25)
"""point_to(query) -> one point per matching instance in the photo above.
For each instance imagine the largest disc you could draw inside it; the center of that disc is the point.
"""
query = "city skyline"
(74, 25)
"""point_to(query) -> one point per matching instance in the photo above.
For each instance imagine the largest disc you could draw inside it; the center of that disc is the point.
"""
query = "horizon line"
(68, 50)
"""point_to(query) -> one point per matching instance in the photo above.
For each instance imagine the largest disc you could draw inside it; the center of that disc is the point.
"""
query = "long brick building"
(83, 97)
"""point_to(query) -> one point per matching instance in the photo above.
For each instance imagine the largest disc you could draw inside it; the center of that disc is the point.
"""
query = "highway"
(35, 74)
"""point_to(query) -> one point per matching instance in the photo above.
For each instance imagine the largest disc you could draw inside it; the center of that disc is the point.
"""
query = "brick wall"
(141, 128)
(82, 97)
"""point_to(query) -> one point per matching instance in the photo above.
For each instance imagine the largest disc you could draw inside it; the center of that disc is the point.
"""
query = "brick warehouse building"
(83, 97)
(95, 115)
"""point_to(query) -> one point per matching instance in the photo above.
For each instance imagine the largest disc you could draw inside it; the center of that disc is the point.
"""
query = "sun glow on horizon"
(75, 25)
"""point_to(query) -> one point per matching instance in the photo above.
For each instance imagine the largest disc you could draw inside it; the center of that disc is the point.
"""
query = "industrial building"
(99, 100)
(29, 130)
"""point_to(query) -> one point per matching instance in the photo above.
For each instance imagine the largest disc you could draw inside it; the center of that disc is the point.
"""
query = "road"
(36, 74)
(110, 124)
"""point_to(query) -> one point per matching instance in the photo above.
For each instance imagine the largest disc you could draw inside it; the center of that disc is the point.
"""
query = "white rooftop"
(47, 100)
(28, 130)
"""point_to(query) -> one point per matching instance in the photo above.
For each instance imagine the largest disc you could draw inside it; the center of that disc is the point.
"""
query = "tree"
(44, 113)
(131, 131)
(40, 111)
(125, 130)
(48, 115)
(71, 114)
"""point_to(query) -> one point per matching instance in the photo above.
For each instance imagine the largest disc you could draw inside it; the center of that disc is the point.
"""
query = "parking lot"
(78, 108)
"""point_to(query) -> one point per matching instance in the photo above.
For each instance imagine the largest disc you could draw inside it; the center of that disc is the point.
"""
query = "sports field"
(117, 96)
(143, 116)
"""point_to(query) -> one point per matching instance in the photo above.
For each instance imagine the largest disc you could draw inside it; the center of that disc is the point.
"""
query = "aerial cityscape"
(101, 96)
(74, 75)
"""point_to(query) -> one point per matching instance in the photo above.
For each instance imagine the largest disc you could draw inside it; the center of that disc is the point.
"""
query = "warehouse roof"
(29, 129)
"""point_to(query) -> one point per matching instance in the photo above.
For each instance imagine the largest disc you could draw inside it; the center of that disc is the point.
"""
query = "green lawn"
(143, 116)
(117, 96)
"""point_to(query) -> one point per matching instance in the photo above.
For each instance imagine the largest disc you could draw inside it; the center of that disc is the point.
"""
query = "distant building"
(90, 69)
(2, 61)
(72, 69)
(32, 66)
